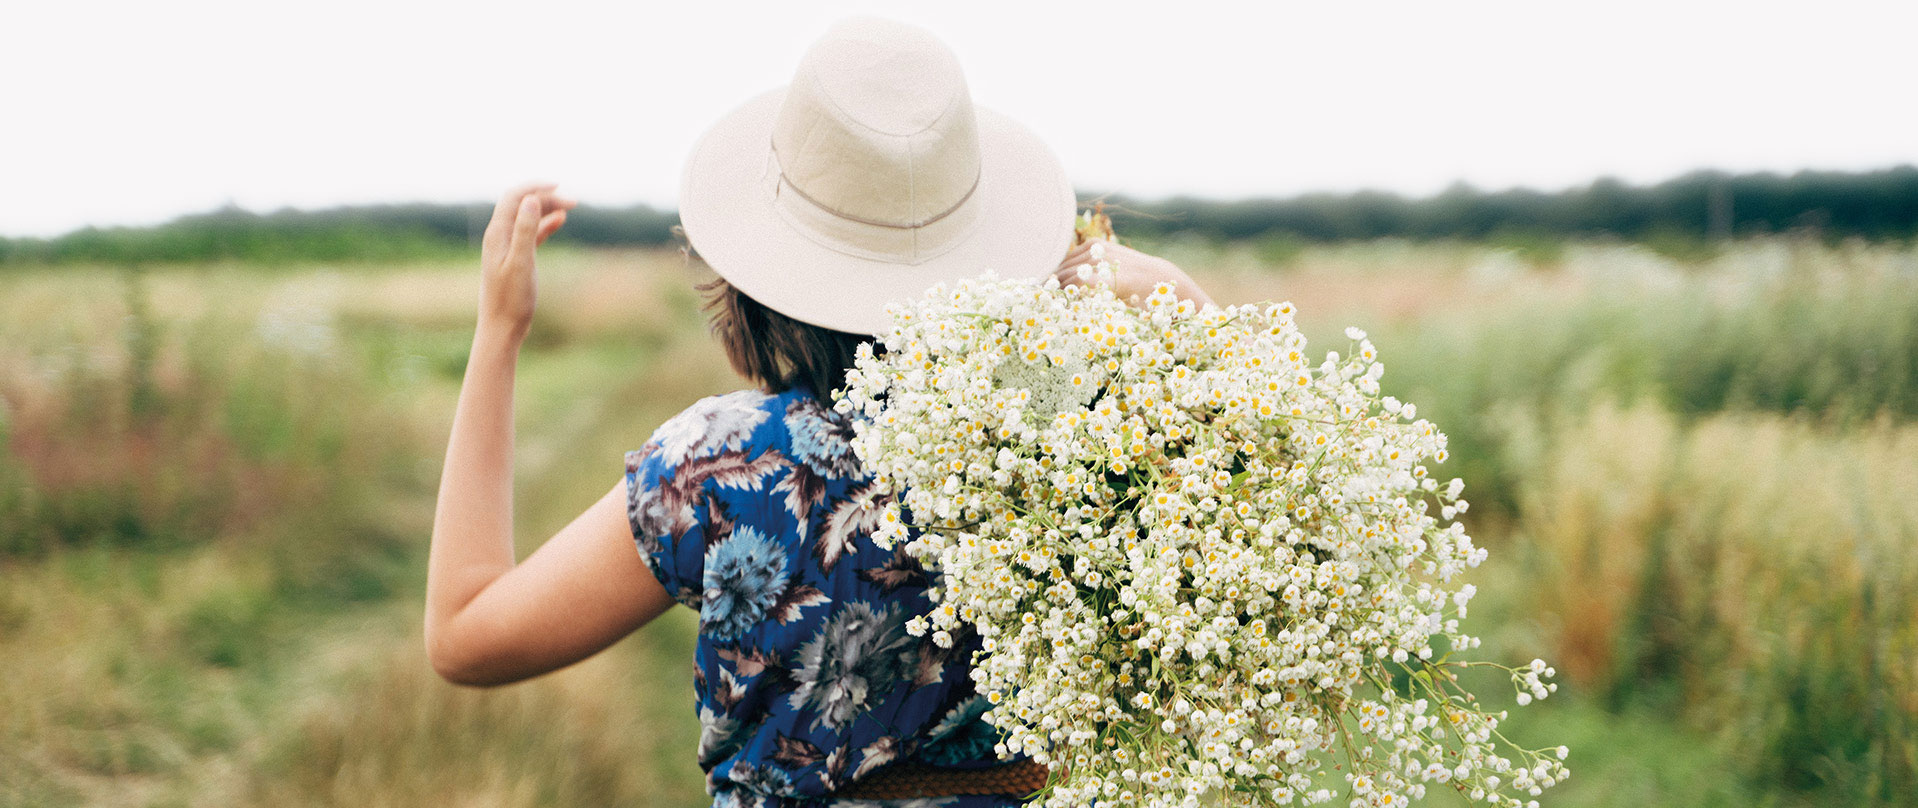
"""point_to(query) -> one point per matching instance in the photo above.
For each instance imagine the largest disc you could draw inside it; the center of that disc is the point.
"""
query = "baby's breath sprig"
(1201, 566)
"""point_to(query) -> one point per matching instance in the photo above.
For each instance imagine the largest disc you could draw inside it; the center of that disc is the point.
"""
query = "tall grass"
(1829, 335)
(1700, 477)
(214, 494)
(1754, 574)
(1695, 479)
(612, 731)
(131, 431)
(182, 496)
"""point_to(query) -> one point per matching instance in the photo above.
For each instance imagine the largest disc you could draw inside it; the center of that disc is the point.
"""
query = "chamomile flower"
(1174, 531)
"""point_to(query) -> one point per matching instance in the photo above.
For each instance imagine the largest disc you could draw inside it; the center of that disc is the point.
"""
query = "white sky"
(134, 112)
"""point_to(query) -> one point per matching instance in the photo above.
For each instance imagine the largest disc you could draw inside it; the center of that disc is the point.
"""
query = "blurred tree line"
(1874, 205)
(1702, 206)
(362, 233)
(1706, 206)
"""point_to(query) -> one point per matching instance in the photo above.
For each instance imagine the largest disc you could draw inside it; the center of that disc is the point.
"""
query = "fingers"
(1077, 269)
(551, 202)
(499, 230)
(1079, 254)
(525, 230)
(509, 202)
(550, 224)
(1076, 275)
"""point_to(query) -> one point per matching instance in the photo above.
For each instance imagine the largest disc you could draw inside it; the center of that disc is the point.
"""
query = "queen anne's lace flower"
(1198, 562)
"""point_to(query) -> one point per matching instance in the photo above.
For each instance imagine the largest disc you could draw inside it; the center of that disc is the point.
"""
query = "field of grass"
(1696, 481)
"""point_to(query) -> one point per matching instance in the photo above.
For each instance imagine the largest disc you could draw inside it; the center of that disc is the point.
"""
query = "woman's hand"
(1134, 274)
(522, 220)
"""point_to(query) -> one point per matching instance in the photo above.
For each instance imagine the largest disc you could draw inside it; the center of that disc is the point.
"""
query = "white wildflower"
(1173, 531)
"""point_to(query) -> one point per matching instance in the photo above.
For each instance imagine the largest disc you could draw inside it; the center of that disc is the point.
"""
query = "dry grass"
(1752, 572)
(230, 664)
(611, 731)
(1747, 572)
(118, 691)
(116, 681)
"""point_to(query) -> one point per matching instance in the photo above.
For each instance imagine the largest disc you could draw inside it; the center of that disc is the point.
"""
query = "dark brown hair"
(774, 350)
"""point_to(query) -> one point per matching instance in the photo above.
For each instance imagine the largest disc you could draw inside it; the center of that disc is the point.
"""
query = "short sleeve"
(666, 521)
(670, 482)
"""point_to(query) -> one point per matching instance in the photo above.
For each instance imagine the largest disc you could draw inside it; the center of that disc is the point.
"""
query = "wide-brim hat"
(868, 179)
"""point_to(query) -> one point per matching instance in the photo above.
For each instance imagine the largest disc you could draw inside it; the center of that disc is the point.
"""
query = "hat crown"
(868, 179)
(878, 127)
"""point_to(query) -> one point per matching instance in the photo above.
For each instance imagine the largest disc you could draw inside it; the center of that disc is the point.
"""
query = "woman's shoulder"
(743, 421)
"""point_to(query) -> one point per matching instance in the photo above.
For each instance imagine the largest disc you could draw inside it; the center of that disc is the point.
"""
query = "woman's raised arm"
(489, 621)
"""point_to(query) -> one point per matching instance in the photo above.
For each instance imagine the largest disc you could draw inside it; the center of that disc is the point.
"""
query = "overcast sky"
(134, 112)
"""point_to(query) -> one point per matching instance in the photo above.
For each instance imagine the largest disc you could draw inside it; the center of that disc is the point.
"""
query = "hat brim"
(725, 203)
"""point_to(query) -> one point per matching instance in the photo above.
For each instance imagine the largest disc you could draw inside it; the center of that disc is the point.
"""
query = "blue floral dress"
(752, 509)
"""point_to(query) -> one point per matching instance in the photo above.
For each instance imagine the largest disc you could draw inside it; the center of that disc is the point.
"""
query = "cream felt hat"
(869, 178)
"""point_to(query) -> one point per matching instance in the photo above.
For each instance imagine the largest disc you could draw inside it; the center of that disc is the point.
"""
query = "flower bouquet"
(1201, 566)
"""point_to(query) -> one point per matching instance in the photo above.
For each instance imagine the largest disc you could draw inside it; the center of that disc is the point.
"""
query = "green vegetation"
(214, 500)
(1679, 214)
(1686, 218)
(1697, 480)
(1694, 477)
(1829, 336)
(174, 431)
(1747, 573)
(384, 234)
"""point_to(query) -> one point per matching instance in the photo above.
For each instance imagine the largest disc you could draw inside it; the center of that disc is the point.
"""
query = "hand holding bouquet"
(1198, 562)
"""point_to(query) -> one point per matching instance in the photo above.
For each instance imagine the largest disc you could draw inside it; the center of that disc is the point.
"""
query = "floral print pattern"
(752, 509)
(859, 653)
(745, 576)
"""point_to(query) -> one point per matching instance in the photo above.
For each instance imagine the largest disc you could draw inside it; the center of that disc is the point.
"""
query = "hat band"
(867, 238)
(789, 185)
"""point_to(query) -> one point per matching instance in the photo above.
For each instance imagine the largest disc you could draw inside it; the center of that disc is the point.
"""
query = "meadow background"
(1692, 450)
